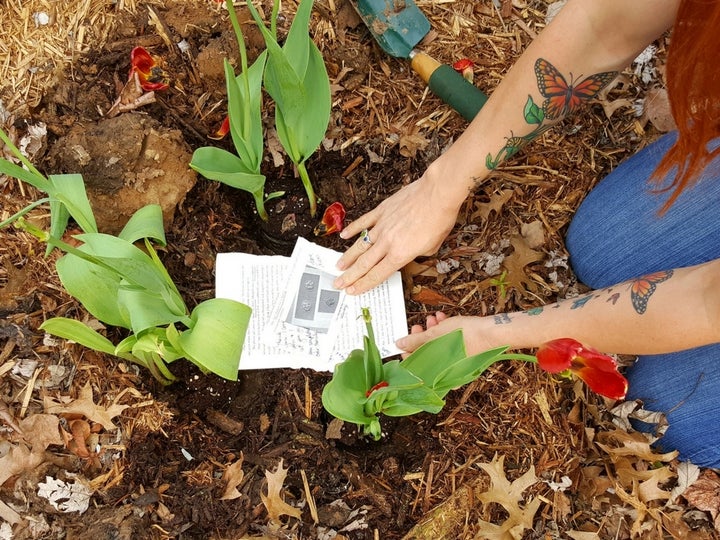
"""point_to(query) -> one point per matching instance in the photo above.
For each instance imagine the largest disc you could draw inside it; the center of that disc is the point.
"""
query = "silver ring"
(365, 238)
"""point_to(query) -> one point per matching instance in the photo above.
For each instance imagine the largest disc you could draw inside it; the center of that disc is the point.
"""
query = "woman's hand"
(476, 332)
(414, 221)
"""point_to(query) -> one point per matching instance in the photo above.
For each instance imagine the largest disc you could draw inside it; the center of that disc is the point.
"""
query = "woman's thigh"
(619, 233)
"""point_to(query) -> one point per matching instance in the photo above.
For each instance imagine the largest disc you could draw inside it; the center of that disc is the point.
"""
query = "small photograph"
(315, 301)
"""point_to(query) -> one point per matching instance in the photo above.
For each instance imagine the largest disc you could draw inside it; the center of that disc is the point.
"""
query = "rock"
(127, 162)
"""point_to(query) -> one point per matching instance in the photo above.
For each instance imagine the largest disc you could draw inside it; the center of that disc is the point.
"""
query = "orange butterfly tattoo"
(642, 288)
(562, 98)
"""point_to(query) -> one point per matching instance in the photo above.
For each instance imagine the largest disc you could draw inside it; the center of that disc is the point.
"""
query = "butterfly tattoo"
(562, 98)
(642, 288)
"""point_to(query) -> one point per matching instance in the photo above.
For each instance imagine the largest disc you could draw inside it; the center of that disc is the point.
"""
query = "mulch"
(426, 479)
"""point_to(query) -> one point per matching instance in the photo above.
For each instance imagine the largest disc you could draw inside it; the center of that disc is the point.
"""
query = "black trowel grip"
(449, 85)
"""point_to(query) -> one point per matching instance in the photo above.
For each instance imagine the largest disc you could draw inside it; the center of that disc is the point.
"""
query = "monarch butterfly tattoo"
(642, 288)
(562, 98)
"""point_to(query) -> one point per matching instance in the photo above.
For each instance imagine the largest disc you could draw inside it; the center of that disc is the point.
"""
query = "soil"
(161, 474)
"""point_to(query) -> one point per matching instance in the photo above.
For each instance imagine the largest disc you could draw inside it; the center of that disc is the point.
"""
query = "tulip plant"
(296, 79)
(363, 386)
(123, 285)
(244, 91)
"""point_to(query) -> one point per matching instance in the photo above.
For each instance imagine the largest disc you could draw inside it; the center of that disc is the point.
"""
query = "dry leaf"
(410, 144)
(650, 490)
(508, 495)
(657, 110)
(581, 535)
(497, 201)
(272, 143)
(426, 295)
(687, 474)
(631, 444)
(85, 406)
(415, 268)
(65, 496)
(516, 262)
(9, 515)
(19, 459)
(273, 501)
(41, 430)
(131, 97)
(533, 233)
(704, 495)
(233, 477)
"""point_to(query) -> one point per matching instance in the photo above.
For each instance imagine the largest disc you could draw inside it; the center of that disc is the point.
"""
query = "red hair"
(693, 80)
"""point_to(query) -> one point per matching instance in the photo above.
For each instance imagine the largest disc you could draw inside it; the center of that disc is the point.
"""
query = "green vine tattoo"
(560, 99)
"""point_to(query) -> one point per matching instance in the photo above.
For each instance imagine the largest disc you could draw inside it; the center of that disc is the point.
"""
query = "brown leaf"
(426, 295)
(415, 268)
(273, 501)
(516, 262)
(233, 477)
(533, 233)
(497, 201)
(85, 406)
(410, 144)
(507, 494)
(41, 430)
(704, 495)
(657, 110)
(131, 97)
(650, 489)
(19, 459)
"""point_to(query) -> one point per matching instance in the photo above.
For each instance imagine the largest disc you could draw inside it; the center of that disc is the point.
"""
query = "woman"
(655, 216)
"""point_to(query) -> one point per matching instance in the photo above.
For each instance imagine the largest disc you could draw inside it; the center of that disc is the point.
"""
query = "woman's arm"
(663, 312)
(566, 65)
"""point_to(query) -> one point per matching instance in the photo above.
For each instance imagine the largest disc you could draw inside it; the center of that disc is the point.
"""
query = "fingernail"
(338, 283)
(350, 290)
(400, 343)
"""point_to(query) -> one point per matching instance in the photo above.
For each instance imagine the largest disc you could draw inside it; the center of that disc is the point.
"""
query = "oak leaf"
(85, 406)
(273, 501)
(508, 495)
(497, 201)
(516, 262)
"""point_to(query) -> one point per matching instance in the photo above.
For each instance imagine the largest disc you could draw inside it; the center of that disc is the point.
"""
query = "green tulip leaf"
(215, 340)
(147, 222)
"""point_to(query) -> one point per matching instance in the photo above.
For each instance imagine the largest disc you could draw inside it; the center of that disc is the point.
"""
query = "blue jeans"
(618, 234)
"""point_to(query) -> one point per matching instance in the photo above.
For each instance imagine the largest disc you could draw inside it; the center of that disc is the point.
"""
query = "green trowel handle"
(449, 85)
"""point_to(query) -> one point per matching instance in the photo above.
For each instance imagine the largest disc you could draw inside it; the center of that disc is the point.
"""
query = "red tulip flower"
(599, 371)
(333, 220)
(152, 76)
(465, 68)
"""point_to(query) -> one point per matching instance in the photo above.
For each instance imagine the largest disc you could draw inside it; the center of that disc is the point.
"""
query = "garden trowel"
(398, 26)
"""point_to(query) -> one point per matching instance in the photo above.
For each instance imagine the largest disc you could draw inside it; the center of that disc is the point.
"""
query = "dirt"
(163, 477)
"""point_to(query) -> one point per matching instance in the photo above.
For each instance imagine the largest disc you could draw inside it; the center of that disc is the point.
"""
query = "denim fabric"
(618, 234)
